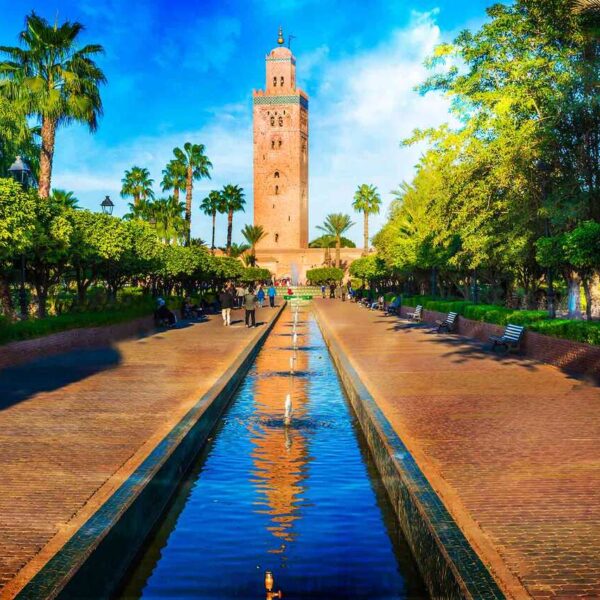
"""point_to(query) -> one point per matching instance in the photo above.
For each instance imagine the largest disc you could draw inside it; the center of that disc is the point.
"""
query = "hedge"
(534, 320)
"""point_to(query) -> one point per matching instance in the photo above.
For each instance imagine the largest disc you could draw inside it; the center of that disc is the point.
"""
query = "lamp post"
(107, 206)
(21, 173)
(544, 168)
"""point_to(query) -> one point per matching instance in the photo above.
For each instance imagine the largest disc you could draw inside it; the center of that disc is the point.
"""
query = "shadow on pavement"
(53, 372)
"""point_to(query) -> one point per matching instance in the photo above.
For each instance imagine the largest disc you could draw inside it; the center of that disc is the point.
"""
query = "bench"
(417, 315)
(510, 339)
(448, 324)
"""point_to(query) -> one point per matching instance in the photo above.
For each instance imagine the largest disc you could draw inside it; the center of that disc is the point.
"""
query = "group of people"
(247, 298)
(341, 291)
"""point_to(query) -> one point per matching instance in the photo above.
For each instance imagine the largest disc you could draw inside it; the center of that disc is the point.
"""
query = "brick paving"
(511, 446)
(73, 426)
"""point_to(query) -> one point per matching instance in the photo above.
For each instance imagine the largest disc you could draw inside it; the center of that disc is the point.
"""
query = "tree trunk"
(46, 156)
(338, 245)
(188, 204)
(214, 221)
(574, 301)
(176, 194)
(366, 233)
(587, 291)
(229, 229)
(5, 299)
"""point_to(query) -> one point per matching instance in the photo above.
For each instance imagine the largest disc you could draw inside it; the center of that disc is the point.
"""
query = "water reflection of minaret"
(280, 453)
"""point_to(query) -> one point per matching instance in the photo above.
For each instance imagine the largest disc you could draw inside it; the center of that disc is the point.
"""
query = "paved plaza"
(73, 426)
(511, 446)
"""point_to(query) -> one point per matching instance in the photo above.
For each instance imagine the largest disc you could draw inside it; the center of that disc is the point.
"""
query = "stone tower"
(281, 155)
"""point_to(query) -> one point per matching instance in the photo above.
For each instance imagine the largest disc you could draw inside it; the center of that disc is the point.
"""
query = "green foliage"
(370, 268)
(253, 274)
(17, 219)
(324, 275)
(326, 241)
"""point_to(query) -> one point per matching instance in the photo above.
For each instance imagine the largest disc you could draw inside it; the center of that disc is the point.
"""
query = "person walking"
(323, 288)
(226, 301)
(331, 291)
(240, 292)
(343, 291)
(250, 306)
(260, 296)
(272, 292)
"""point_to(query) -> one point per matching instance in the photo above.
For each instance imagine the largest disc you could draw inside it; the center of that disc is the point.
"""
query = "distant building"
(281, 171)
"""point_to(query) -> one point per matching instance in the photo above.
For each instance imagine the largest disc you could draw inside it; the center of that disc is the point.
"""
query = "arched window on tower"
(276, 190)
(280, 143)
(276, 237)
(274, 81)
(276, 175)
(272, 121)
(280, 121)
(272, 144)
(281, 81)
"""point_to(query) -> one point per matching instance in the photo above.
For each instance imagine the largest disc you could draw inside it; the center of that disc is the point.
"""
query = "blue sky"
(184, 71)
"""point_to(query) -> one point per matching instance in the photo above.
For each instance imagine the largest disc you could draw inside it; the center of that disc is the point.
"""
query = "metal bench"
(510, 339)
(417, 315)
(448, 324)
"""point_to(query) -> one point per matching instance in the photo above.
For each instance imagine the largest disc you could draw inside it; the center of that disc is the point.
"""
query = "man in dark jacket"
(226, 300)
(250, 306)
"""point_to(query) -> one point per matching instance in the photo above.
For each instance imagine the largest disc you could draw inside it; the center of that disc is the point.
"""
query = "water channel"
(302, 501)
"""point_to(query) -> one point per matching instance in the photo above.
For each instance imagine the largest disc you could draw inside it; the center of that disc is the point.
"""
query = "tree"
(174, 178)
(17, 138)
(324, 275)
(254, 274)
(236, 250)
(54, 81)
(370, 268)
(210, 206)
(197, 166)
(137, 184)
(67, 199)
(17, 217)
(253, 235)
(367, 201)
(335, 225)
(234, 201)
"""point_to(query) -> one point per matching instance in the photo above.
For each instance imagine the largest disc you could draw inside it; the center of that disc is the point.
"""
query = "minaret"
(281, 154)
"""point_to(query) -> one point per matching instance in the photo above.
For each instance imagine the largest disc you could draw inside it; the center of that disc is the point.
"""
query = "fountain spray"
(287, 419)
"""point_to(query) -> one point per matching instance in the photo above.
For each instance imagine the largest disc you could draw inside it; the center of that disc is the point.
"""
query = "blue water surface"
(303, 501)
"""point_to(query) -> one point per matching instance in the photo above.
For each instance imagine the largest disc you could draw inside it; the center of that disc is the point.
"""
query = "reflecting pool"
(303, 501)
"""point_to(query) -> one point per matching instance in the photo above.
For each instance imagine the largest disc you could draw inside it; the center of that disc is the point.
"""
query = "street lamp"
(545, 168)
(21, 173)
(107, 206)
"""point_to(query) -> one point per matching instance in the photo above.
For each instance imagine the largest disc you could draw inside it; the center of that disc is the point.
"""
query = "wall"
(573, 357)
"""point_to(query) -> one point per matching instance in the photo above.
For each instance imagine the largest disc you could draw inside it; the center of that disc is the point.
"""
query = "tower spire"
(280, 39)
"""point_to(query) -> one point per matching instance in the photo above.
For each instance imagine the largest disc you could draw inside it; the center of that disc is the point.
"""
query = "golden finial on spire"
(280, 39)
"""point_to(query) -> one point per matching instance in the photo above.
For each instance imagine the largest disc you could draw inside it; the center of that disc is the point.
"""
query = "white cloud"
(363, 108)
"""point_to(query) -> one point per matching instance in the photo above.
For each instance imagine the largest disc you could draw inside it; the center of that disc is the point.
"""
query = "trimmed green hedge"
(34, 328)
(534, 320)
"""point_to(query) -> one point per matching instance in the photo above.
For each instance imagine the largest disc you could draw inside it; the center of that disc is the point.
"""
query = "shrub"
(534, 320)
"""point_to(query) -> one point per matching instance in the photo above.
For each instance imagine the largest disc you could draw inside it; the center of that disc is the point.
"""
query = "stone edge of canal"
(98, 554)
(448, 563)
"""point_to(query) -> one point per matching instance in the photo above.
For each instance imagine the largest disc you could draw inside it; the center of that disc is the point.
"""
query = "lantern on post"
(107, 206)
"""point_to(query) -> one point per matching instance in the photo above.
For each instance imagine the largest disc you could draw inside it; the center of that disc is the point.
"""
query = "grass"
(534, 320)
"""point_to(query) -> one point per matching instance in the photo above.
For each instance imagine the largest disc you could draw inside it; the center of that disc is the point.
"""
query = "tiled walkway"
(73, 426)
(512, 447)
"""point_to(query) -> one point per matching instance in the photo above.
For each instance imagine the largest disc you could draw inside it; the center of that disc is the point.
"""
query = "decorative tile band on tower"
(276, 100)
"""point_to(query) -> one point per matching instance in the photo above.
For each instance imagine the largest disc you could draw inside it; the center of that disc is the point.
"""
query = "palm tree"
(196, 164)
(53, 81)
(236, 250)
(367, 201)
(335, 225)
(253, 235)
(167, 215)
(174, 178)
(211, 205)
(233, 198)
(137, 183)
(67, 199)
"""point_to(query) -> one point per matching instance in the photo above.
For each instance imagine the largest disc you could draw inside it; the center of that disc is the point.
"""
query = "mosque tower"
(281, 155)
